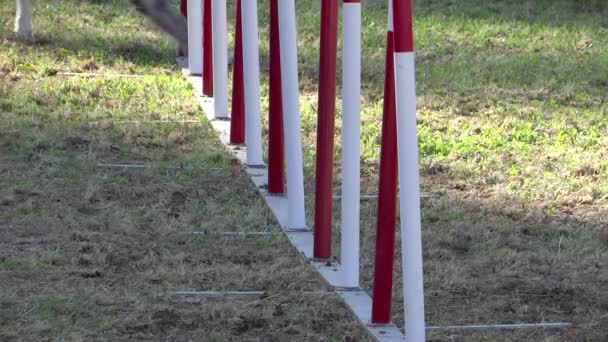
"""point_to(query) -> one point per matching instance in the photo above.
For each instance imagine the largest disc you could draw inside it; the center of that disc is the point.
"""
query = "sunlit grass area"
(512, 105)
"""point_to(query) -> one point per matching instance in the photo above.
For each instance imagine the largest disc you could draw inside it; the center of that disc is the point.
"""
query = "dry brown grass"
(95, 254)
(511, 98)
(492, 260)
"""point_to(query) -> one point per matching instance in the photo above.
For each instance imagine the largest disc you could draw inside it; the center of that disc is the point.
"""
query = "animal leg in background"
(23, 21)
(165, 17)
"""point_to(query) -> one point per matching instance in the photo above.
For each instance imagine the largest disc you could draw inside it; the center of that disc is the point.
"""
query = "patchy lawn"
(92, 254)
(512, 99)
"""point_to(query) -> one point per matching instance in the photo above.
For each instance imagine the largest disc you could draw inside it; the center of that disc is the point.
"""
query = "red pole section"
(404, 28)
(387, 193)
(276, 176)
(207, 49)
(325, 129)
(184, 10)
(237, 120)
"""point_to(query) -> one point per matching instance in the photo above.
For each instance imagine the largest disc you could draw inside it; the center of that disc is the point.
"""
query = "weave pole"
(183, 8)
(276, 181)
(387, 191)
(220, 59)
(325, 129)
(351, 137)
(409, 205)
(291, 114)
(195, 37)
(207, 49)
(251, 58)
(237, 117)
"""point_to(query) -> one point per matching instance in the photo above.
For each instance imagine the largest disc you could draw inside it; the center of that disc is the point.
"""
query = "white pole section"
(411, 235)
(251, 65)
(291, 114)
(220, 59)
(351, 136)
(195, 37)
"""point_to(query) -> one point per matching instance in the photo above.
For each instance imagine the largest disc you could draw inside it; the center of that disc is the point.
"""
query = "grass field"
(512, 99)
(88, 254)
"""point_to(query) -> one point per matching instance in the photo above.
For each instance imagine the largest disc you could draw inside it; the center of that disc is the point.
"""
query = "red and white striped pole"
(181, 52)
(207, 49)
(291, 114)
(387, 191)
(411, 235)
(220, 59)
(195, 37)
(237, 117)
(351, 137)
(251, 61)
(276, 181)
(325, 129)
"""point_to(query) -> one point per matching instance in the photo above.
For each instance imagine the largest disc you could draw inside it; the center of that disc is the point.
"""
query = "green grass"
(512, 104)
(512, 99)
(499, 84)
(89, 254)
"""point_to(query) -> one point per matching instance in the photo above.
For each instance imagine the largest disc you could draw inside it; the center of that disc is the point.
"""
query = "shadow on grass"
(495, 260)
(539, 12)
(87, 45)
(124, 230)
